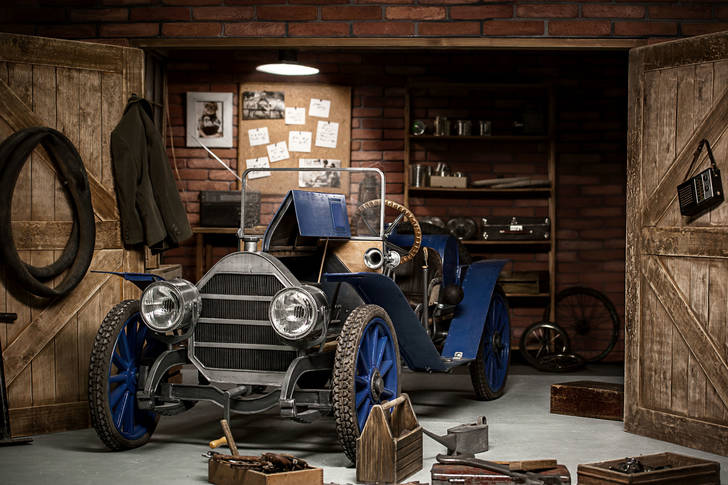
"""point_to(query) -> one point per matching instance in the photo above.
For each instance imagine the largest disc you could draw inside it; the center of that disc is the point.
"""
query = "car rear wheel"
(489, 370)
(366, 371)
(121, 345)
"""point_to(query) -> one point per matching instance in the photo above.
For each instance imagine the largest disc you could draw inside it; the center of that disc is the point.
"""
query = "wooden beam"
(700, 49)
(50, 418)
(694, 242)
(391, 43)
(18, 116)
(60, 53)
(52, 235)
(44, 327)
(710, 358)
(711, 128)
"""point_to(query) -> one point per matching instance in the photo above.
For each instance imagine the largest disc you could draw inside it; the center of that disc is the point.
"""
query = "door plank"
(19, 116)
(698, 298)
(34, 337)
(48, 235)
(703, 105)
(89, 321)
(111, 112)
(686, 321)
(648, 357)
(718, 314)
(650, 143)
(719, 215)
(20, 80)
(667, 106)
(89, 146)
(685, 105)
(68, 95)
(704, 242)
(662, 334)
(711, 128)
(43, 366)
(67, 379)
(42, 205)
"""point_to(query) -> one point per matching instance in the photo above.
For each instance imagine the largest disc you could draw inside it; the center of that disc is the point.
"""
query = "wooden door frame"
(668, 242)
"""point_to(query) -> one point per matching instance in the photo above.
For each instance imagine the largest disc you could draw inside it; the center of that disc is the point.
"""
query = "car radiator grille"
(230, 331)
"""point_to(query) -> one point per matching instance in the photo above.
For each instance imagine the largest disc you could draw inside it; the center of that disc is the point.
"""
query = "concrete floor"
(521, 427)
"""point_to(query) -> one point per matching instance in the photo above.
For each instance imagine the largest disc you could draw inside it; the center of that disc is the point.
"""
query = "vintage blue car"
(312, 319)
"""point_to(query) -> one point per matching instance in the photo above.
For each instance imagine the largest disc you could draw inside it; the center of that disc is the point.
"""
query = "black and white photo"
(263, 105)
(319, 179)
(209, 119)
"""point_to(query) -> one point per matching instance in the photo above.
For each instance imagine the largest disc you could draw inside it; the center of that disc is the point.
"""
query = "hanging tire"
(121, 345)
(366, 371)
(489, 370)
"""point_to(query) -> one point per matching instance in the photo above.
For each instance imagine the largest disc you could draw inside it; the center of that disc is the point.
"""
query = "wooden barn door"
(81, 90)
(676, 376)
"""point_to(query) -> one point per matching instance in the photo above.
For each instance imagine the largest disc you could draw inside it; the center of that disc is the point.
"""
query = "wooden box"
(390, 447)
(525, 282)
(442, 474)
(448, 182)
(684, 470)
(222, 473)
(588, 399)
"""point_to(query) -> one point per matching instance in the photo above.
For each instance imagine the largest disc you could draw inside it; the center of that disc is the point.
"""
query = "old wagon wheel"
(590, 320)
(543, 339)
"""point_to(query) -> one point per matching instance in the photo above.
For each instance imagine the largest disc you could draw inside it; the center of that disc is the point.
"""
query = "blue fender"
(467, 326)
(140, 280)
(444, 244)
(414, 344)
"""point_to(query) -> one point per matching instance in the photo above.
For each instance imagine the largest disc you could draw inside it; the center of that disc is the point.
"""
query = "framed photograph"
(263, 105)
(319, 179)
(210, 119)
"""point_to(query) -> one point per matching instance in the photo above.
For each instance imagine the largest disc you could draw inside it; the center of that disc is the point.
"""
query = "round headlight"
(295, 312)
(169, 305)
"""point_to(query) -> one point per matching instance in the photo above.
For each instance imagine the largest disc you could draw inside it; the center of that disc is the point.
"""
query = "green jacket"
(149, 204)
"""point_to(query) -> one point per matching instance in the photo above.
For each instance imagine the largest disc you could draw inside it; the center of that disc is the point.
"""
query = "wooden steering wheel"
(404, 213)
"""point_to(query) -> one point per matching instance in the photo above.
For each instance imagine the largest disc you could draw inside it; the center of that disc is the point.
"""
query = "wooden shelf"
(528, 295)
(521, 191)
(504, 243)
(518, 138)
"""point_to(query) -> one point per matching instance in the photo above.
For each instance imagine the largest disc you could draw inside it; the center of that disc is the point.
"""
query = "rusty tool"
(465, 440)
(525, 478)
(229, 437)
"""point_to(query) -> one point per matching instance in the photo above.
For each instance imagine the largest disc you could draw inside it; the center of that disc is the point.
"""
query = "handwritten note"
(277, 151)
(326, 134)
(258, 136)
(300, 141)
(319, 108)
(261, 162)
(295, 116)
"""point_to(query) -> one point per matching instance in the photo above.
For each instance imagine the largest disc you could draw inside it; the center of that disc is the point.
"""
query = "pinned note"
(277, 151)
(261, 162)
(319, 108)
(300, 141)
(258, 136)
(326, 134)
(295, 116)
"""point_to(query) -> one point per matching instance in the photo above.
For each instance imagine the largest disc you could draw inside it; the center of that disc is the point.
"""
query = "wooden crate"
(221, 473)
(450, 474)
(390, 446)
(685, 470)
(589, 399)
(525, 282)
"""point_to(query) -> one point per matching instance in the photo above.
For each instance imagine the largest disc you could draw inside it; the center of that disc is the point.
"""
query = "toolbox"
(459, 474)
(221, 472)
(661, 469)
(589, 399)
(500, 228)
(222, 208)
(525, 282)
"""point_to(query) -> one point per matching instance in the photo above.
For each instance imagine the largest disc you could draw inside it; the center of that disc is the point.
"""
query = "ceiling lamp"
(288, 66)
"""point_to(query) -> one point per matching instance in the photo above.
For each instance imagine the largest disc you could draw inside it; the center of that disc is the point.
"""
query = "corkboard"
(296, 95)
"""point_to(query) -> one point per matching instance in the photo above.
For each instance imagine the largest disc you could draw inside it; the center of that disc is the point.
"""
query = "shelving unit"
(500, 136)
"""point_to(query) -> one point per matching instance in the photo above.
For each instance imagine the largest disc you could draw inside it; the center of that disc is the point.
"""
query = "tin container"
(485, 127)
(442, 126)
(420, 175)
(463, 127)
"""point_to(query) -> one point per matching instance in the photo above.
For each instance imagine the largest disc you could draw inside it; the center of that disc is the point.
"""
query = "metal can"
(485, 127)
(442, 126)
(463, 127)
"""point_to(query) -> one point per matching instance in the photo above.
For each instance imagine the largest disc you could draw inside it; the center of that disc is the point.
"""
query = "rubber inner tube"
(76, 256)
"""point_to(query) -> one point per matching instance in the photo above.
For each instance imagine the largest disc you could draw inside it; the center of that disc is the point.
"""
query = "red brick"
(517, 27)
(222, 175)
(99, 15)
(366, 134)
(75, 31)
(366, 155)
(681, 12)
(318, 29)
(481, 12)
(251, 2)
(382, 145)
(287, 13)
(388, 1)
(384, 28)
(548, 11)
(721, 12)
(351, 13)
(700, 28)
(159, 13)
(32, 14)
(192, 29)
(223, 13)
(125, 2)
(447, 2)
(193, 174)
(448, 28)
(612, 11)
(366, 112)
(585, 28)
(255, 29)
(207, 185)
(129, 30)
(645, 28)
(415, 13)
(194, 2)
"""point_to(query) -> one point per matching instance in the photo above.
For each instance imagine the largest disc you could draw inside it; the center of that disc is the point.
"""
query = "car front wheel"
(489, 370)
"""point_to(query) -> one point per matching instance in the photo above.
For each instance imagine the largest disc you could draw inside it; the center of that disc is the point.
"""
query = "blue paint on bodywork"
(312, 209)
(467, 326)
(446, 246)
(414, 344)
(140, 280)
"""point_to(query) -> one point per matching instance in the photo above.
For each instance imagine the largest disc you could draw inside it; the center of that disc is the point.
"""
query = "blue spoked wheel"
(366, 371)
(122, 344)
(489, 370)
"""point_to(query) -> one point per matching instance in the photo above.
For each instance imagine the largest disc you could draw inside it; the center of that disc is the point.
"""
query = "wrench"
(527, 478)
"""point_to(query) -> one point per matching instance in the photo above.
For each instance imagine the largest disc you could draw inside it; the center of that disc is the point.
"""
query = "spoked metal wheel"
(489, 370)
(543, 339)
(590, 320)
(366, 372)
(121, 344)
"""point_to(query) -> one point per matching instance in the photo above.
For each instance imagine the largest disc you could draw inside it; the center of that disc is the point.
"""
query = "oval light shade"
(287, 69)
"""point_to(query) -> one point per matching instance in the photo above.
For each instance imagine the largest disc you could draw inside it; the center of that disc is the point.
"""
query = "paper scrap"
(326, 134)
(319, 108)
(261, 162)
(300, 141)
(258, 136)
(295, 116)
(277, 151)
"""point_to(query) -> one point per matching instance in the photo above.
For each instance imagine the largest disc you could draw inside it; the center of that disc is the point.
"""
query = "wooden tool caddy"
(684, 470)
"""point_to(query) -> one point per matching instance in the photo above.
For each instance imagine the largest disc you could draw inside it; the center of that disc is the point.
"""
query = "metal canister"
(485, 127)
(419, 175)
(463, 127)
(442, 126)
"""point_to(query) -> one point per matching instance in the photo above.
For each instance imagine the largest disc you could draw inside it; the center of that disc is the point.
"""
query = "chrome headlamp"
(298, 312)
(169, 305)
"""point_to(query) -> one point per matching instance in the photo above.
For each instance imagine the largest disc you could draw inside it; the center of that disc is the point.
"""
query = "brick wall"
(119, 20)
(591, 147)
